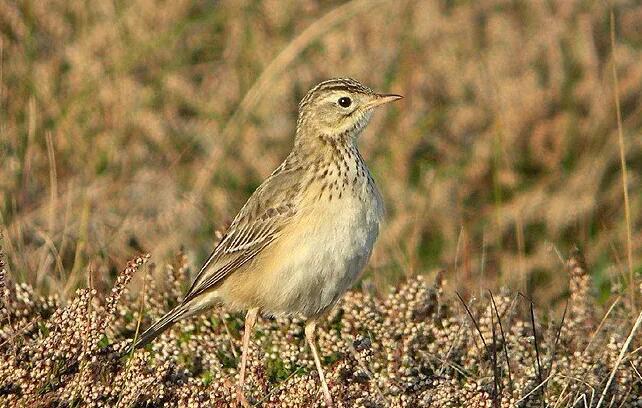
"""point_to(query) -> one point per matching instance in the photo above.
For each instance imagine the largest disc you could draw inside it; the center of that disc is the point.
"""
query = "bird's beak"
(380, 99)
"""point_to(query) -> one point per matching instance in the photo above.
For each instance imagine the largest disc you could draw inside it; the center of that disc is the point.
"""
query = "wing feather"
(256, 226)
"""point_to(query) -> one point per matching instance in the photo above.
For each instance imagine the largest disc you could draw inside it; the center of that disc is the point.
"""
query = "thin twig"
(459, 239)
(474, 321)
(501, 330)
(531, 392)
(450, 349)
(460, 369)
(599, 327)
(140, 318)
(561, 397)
(625, 183)
(539, 365)
(537, 358)
(624, 399)
(580, 380)
(558, 253)
(496, 387)
(229, 334)
(557, 338)
(620, 357)
(636, 370)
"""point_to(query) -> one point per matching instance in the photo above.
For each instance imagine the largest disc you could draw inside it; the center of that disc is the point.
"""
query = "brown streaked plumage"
(306, 233)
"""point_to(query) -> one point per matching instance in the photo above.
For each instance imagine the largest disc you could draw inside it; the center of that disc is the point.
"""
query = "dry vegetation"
(416, 347)
(141, 126)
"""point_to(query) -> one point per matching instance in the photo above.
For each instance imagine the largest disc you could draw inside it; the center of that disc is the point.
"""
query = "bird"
(304, 236)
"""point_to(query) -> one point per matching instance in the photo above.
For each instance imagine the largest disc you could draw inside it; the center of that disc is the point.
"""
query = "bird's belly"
(321, 256)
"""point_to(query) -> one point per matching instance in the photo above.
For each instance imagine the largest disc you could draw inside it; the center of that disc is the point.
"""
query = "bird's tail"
(159, 327)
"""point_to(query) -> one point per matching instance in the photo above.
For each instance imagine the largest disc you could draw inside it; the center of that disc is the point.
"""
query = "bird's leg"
(309, 335)
(250, 320)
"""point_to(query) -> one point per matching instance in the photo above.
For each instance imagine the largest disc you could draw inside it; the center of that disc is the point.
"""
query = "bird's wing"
(257, 225)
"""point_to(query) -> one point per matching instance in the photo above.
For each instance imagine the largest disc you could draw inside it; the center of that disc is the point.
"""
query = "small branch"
(557, 338)
(496, 387)
(474, 321)
(539, 365)
(625, 182)
(501, 330)
(619, 359)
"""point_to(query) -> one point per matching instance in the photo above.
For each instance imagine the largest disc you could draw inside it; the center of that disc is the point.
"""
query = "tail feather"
(159, 327)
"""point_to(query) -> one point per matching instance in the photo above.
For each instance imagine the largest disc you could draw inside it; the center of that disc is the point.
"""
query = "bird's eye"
(344, 101)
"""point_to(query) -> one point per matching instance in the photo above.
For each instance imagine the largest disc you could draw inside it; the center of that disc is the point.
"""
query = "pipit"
(304, 236)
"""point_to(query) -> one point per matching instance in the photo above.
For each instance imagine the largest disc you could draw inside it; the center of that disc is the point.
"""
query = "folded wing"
(257, 225)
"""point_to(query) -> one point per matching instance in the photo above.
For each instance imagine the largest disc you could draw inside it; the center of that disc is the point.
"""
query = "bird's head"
(338, 108)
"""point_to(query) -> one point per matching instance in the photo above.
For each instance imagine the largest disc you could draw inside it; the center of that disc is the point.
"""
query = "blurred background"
(129, 126)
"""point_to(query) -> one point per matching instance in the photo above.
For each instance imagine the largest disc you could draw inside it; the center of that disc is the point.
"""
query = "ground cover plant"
(414, 347)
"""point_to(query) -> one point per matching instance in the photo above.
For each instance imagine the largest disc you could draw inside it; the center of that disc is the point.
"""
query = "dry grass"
(143, 126)
(504, 146)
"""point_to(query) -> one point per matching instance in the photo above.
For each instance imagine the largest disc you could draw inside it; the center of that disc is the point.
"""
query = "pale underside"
(297, 245)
